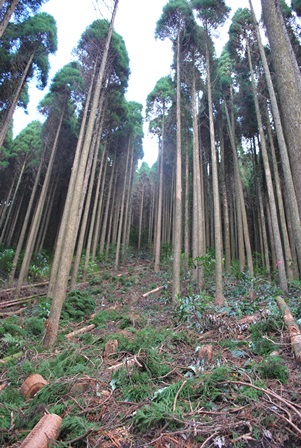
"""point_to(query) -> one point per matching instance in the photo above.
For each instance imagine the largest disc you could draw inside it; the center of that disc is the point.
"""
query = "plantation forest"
(152, 306)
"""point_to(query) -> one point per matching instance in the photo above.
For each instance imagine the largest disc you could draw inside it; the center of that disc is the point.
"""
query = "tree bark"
(288, 81)
(177, 228)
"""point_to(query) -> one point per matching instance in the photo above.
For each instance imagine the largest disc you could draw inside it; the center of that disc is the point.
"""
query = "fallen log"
(46, 430)
(32, 285)
(292, 327)
(80, 331)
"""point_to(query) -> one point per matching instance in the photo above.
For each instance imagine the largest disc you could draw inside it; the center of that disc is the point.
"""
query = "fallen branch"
(33, 285)
(14, 302)
(47, 429)
(292, 327)
(80, 331)
(152, 291)
(11, 313)
(11, 358)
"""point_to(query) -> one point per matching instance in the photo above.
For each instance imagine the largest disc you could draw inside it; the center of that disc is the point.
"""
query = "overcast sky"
(135, 22)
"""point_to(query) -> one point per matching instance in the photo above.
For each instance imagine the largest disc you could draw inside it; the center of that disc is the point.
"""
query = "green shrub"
(78, 306)
(273, 367)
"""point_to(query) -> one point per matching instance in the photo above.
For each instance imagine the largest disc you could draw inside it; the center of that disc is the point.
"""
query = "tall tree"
(288, 80)
(157, 104)
(20, 9)
(176, 18)
(69, 226)
(213, 14)
(31, 42)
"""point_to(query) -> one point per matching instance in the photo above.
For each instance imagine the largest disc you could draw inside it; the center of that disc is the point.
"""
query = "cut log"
(80, 331)
(32, 385)
(46, 430)
(292, 327)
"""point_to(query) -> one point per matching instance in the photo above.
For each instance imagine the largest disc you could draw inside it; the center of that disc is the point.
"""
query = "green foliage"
(156, 416)
(6, 261)
(192, 308)
(34, 326)
(207, 261)
(134, 384)
(273, 367)
(39, 268)
(69, 362)
(74, 426)
(104, 316)
(261, 344)
(78, 306)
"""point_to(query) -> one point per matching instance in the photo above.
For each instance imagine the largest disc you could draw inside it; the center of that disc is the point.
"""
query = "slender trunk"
(7, 15)
(280, 264)
(177, 231)
(282, 217)
(121, 217)
(219, 297)
(241, 199)
(140, 217)
(61, 283)
(106, 215)
(16, 95)
(283, 149)
(288, 80)
(38, 213)
(158, 233)
(12, 202)
(25, 224)
(97, 209)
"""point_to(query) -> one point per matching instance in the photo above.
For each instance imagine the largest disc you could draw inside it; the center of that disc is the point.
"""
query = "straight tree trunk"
(38, 213)
(10, 112)
(288, 81)
(25, 224)
(158, 233)
(219, 297)
(12, 202)
(177, 230)
(280, 264)
(7, 15)
(61, 282)
(292, 202)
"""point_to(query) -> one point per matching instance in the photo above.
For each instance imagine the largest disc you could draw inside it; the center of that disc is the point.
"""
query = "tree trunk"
(16, 95)
(177, 228)
(219, 297)
(287, 172)
(12, 202)
(7, 15)
(25, 224)
(61, 282)
(158, 233)
(288, 81)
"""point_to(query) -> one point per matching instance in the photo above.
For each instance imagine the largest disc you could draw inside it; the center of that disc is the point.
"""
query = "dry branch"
(80, 331)
(47, 429)
(14, 302)
(292, 327)
(152, 291)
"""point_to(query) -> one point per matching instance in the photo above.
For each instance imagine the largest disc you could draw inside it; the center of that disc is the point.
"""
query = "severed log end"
(46, 429)
(292, 328)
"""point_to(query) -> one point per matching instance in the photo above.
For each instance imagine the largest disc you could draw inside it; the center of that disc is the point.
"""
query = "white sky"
(135, 22)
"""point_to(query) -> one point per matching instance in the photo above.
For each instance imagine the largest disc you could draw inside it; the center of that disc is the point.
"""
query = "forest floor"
(152, 374)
